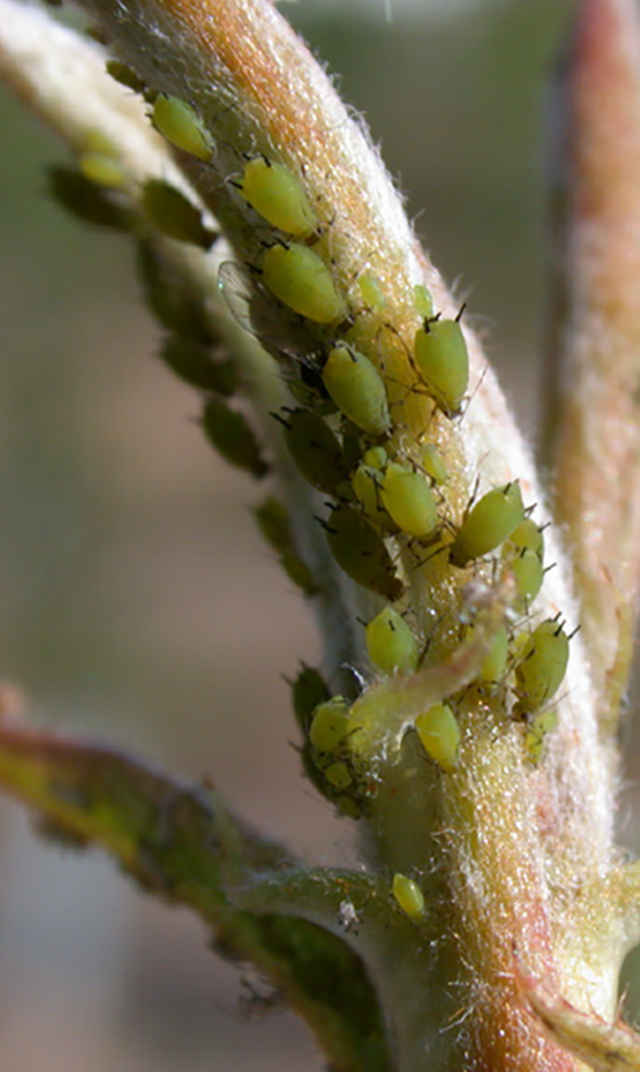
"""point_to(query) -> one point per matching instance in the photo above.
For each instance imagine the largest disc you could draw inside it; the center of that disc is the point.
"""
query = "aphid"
(314, 449)
(278, 196)
(338, 775)
(309, 691)
(372, 292)
(423, 301)
(192, 362)
(391, 645)
(439, 733)
(537, 730)
(125, 75)
(360, 551)
(407, 496)
(528, 574)
(297, 276)
(494, 667)
(488, 524)
(357, 388)
(330, 724)
(375, 457)
(527, 537)
(433, 465)
(441, 355)
(174, 215)
(298, 572)
(229, 432)
(367, 485)
(409, 896)
(103, 168)
(172, 296)
(180, 124)
(86, 201)
(542, 666)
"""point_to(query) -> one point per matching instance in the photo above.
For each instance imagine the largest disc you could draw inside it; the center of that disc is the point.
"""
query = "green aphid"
(527, 537)
(274, 524)
(488, 524)
(171, 296)
(441, 356)
(372, 292)
(360, 551)
(329, 725)
(542, 666)
(304, 283)
(174, 215)
(192, 362)
(494, 667)
(357, 388)
(528, 574)
(367, 486)
(230, 433)
(314, 449)
(439, 733)
(299, 573)
(375, 458)
(338, 775)
(125, 75)
(86, 201)
(409, 896)
(433, 465)
(408, 498)
(309, 691)
(279, 197)
(180, 124)
(423, 301)
(537, 731)
(391, 645)
(105, 169)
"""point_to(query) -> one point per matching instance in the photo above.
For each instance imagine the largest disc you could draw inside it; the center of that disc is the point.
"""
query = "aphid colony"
(343, 440)
(343, 435)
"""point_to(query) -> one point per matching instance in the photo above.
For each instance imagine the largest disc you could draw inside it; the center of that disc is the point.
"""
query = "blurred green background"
(137, 602)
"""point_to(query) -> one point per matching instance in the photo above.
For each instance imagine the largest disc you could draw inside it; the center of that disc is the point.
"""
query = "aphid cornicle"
(303, 282)
(409, 896)
(278, 196)
(391, 645)
(360, 551)
(180, 124)
(488, 524)
(409, 500)
(442, 359)
(542, 665)
(357, 388)
(439, 733)
(314, 449)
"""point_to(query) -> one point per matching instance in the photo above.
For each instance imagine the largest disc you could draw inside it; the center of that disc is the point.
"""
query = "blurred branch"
(182, 845)
(594, 423)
